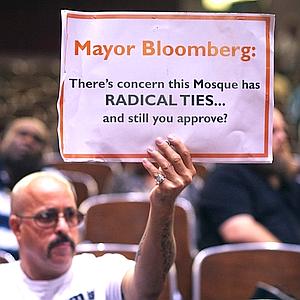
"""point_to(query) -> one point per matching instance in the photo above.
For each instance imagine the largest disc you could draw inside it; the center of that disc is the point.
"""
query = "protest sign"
(127, 78)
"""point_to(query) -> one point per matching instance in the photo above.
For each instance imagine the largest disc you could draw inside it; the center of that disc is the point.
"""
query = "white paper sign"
(127, 78)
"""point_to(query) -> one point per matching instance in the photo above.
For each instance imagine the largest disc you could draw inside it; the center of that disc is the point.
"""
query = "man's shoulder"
(226, 171)
(10, 278)
(232, 167)
(108, 261)
(89, 257)
(229, 177)
(8, 270)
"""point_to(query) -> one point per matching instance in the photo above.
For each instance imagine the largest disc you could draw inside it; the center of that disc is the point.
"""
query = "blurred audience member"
(253, 202)
(287, 49)
(130, 177)
(21, 153)
(293, 112)
(192, 191)
(282, 91)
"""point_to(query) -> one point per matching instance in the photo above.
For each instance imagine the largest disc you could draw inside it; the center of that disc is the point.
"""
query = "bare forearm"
(156, 254)
(243, 228)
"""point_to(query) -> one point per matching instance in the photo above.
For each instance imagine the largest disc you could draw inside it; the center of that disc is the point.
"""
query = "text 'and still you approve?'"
(162, 119)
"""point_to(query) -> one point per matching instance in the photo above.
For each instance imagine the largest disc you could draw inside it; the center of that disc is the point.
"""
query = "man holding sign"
(45, 221)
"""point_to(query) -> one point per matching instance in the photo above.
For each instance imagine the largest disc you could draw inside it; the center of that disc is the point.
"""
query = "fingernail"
(168, 142)
(171, 137)
(159, 140)
(150, 149)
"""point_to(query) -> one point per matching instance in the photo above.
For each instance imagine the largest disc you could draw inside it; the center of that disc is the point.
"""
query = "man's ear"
(15, 224)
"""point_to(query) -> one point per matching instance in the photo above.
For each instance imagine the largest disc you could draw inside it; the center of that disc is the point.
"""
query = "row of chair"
(92, 178)
(5, 257)
(222, 272)
(232, 271)
(88, 179)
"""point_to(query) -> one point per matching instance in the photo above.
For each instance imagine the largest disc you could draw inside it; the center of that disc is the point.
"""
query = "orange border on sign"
(183, 16)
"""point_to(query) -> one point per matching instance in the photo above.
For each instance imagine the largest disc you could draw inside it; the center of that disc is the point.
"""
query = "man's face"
(26, 139)
(279, 133)
(48, 251)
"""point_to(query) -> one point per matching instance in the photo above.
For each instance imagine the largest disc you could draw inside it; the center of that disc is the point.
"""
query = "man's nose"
(62, 224)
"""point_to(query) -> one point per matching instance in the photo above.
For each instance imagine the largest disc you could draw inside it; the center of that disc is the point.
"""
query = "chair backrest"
(121, 218)
(170, 291)
(85, 185)
(5, 257)
(102, 173)
(232, 271)
(128, 250)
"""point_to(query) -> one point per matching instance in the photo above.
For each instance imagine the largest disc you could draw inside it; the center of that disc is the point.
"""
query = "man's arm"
(157, 248)
(244, 228)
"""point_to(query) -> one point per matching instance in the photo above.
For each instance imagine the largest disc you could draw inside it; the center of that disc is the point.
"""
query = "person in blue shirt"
(253, 202)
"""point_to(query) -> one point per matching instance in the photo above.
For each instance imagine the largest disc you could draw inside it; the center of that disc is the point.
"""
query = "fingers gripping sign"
(175, 169)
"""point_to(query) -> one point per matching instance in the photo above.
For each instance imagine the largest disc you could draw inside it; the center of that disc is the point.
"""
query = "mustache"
(61, 238)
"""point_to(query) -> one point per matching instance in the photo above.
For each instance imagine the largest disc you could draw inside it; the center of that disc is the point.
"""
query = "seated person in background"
(21, 153)
(253, 202)
(45, 221)
(130, 177)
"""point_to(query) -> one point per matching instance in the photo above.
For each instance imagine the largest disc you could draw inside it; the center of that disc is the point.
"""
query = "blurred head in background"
(22, 148)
